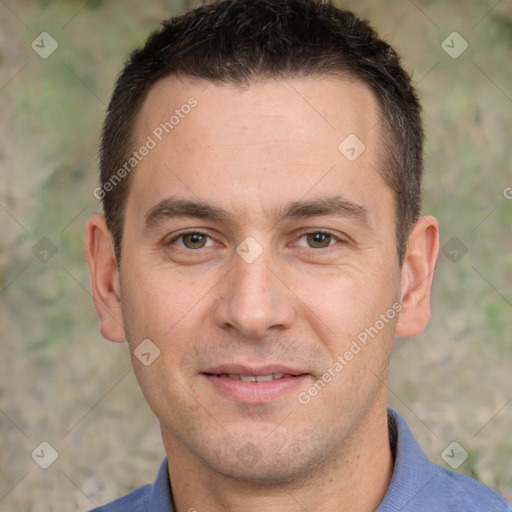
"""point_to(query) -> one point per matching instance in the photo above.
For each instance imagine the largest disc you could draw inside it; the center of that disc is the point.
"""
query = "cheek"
(347, 302)
(162, 305)
(161, 308)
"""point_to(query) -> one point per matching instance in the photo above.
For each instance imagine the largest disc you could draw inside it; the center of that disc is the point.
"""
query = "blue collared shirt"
(417, 485)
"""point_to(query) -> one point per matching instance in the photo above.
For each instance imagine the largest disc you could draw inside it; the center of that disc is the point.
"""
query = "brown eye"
(318, 240)
(194, 240)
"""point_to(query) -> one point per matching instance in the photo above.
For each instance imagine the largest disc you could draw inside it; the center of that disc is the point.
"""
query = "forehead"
(294, 135)
(311, 108)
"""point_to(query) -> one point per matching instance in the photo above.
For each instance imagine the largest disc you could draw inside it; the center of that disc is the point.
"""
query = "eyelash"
(303, 234)
(334, 238)
(185, 233)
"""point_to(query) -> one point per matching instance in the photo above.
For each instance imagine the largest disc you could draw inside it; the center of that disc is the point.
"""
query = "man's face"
(253, 246)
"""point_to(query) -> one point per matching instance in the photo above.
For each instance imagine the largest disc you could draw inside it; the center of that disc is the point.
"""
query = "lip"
(251, 370)
(254, 392)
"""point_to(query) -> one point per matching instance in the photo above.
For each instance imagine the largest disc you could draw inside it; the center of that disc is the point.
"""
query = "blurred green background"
(60, 382)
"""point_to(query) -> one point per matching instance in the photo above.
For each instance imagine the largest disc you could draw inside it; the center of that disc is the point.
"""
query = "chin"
(264, 463)
(276, 473)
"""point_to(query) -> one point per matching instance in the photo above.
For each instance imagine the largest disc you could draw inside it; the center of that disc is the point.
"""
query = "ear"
(417, 275)
(99, 250)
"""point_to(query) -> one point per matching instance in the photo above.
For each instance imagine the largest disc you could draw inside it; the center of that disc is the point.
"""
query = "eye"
(317, 240)
(192, 240)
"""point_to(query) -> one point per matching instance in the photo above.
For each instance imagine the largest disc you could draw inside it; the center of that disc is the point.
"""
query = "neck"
(356, 478)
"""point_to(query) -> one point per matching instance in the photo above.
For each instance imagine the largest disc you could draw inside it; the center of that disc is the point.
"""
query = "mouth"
(253, 378)
(254, 385)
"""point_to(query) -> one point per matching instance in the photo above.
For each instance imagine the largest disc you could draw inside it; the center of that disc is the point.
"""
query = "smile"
(252, 386)
(255, 378)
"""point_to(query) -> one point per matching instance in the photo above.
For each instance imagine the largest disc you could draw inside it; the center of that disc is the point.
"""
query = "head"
(271, 227)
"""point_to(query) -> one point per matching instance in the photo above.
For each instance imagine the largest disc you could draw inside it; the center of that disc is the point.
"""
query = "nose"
(254, 300)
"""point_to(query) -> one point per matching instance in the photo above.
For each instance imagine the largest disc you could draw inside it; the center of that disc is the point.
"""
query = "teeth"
(255, 378)
(263, 378)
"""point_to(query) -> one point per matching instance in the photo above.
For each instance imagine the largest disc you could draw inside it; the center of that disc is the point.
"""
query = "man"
(261, 247)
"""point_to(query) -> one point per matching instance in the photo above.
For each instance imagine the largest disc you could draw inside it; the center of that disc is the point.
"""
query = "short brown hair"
(237, 41)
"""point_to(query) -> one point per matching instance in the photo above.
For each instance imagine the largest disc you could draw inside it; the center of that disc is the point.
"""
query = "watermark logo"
(151, 142)
(44, 45)
(454, 455)
(249, 249)
(249, 454)
(351, 147)
(454, 45)
(454, 249)
(147, 352)
(44, 455)
(44, 250)
(355, 348)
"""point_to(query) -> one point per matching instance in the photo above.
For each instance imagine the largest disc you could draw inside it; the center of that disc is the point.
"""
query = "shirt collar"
(160, 499)
(412, 470)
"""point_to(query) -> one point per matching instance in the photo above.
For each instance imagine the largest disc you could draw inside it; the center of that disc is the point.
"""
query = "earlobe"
(417, 276)
(105, 278)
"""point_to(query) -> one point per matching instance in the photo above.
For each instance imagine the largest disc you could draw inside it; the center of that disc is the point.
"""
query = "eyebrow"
(172, 207)
(325, 206)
